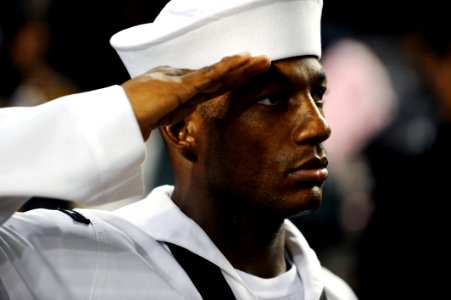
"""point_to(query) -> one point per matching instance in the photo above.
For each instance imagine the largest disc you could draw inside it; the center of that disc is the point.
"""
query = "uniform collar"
(160, 218)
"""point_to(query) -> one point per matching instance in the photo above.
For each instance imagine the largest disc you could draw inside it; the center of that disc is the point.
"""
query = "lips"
(313, 170)
(314, 163)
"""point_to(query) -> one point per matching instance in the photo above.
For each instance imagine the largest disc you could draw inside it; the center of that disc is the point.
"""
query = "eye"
(273, 99)
(318, 94)
(269, 101)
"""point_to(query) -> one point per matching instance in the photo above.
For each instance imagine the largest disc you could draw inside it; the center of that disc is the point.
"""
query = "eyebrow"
(275, 80)
(320, 77)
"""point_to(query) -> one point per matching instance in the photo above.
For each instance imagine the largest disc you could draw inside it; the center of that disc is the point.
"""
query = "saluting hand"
(165, 95)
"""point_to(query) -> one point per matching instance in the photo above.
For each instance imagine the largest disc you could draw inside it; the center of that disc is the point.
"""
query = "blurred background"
(383, 224)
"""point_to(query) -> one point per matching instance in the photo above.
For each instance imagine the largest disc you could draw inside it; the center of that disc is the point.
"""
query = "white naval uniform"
(45, 254)
(84, 147)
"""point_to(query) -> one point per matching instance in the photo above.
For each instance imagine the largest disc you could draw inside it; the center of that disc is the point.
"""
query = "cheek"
(238, 156)
(246, 149)
(254, 165)
(256, 146)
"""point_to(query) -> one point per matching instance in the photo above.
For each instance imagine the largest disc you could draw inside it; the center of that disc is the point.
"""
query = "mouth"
(313, 170)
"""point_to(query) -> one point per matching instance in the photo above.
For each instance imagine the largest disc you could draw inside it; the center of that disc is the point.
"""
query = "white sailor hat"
(195, 33)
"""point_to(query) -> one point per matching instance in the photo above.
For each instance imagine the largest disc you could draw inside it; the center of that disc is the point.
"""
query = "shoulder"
(40, 220)
(42, 229)
(336, 288)
(59, 236)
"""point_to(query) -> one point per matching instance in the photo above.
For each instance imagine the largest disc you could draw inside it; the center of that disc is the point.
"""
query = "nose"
(311, 125)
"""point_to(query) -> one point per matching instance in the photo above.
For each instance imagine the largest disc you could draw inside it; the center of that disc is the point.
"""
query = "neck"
(255, 247)
(251, 243)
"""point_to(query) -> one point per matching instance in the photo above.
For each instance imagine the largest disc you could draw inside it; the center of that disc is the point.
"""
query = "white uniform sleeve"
(336, 288)
(84, 147)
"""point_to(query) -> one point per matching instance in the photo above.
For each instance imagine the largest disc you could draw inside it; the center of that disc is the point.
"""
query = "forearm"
(85, 147)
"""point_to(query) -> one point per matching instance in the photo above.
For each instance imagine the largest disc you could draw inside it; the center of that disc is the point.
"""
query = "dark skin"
(250, 158)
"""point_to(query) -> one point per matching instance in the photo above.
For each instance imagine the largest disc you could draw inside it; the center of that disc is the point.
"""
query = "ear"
(182, 136)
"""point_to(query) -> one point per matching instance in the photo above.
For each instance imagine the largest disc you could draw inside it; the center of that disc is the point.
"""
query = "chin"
(306, 202)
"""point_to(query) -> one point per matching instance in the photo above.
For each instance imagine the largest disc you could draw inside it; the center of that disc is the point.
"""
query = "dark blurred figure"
(40, 81)
(404, 248)
(11, 17)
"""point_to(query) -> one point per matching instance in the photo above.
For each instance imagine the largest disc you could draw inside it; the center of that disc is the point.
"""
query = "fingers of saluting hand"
(231, 72)
(165, 95)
